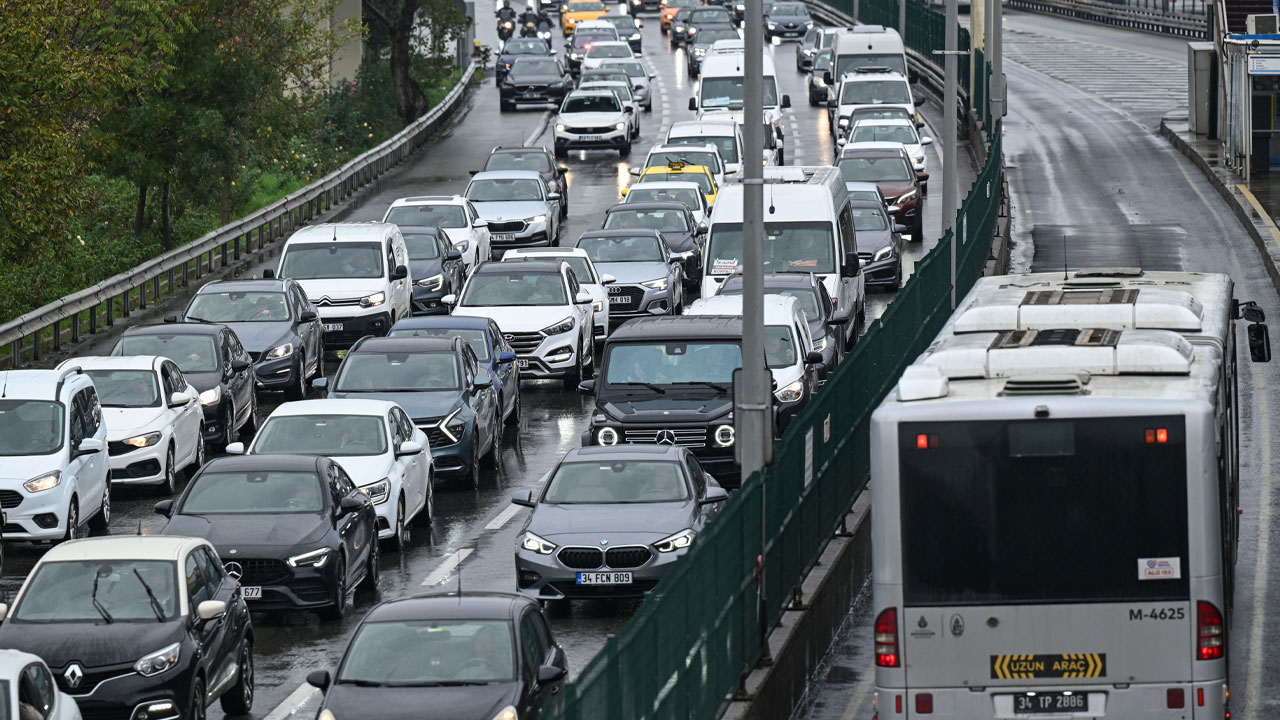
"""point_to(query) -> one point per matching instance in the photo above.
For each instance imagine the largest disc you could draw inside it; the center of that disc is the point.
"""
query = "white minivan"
(867, 46)
(356, 274)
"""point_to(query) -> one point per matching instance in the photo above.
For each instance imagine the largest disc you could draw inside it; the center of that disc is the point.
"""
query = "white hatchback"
(606, 50)
(32, 692)
(584, 270)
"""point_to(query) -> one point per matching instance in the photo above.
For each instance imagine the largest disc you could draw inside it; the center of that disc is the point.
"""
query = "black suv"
(536, 158)
(669, 380)
(533, 80)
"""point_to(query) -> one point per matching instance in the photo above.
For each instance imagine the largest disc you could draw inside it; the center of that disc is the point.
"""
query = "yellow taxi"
(668, 9)
(681, 172)
(579, 10)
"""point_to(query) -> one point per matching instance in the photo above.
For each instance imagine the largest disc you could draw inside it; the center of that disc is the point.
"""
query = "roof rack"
(62, 378)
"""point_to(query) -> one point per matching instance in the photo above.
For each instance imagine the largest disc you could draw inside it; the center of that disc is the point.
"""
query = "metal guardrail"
(120, 295)
(1133, 18)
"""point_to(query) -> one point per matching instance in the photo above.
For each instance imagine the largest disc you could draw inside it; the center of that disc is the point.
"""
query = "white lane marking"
(859, 695)
(541, 128)
(446, 567)
(291, 704)
(503, 518)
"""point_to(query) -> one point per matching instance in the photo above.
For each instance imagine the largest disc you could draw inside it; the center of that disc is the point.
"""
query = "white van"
(808, 228)
(720, 90)
(724, 134)
(867, 46)
(357, 274)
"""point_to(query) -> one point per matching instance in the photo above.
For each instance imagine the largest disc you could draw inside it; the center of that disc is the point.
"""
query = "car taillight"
(1208, 629)
(887, 638)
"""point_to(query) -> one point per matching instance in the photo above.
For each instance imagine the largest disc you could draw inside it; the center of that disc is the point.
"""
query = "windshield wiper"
(193, 318)
(441, 683)
(97, 604)
(156, 607)
(714, 385)
(651, 386)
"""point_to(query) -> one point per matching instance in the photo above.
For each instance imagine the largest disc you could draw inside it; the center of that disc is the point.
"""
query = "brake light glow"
(886, 638)
(922, 442)
(1209, 630)
(1156, 436)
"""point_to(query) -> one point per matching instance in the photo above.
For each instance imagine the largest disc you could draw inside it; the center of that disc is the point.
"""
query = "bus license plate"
(1050, 702)
(604, 578)
(333, 327)
(253, 592)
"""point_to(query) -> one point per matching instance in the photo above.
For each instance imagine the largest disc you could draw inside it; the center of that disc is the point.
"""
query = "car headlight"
(773, 26)
(537, 219)
(453, 426)
(693, 31)
(700, 51)
(792, 392)
(536, 544)
(278, 351)
(560, 127)
(882, 253)
(315, 558)
(808, 24)
(671, 543)
(435, 282)
(373, 300)
(620, 126)
(659, 284)
(327, 714)
(679, 28)
(141, 441)
(47, 481)
(211, 396)
(508, 712)
(556, 85)
(159, 661)
(724, 436)
(462, 246)
(740, 7)
(563, 326)
(808, 51)
(597, 306)
(379, 491)
(575, 56)
(909, 195)
(634, 36)
(607, 436)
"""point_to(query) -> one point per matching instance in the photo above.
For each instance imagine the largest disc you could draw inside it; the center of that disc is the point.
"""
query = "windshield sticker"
(723, 266)
(1169, 568)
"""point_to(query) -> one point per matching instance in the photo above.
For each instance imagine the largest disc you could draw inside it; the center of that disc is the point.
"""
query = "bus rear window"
(1043, 511)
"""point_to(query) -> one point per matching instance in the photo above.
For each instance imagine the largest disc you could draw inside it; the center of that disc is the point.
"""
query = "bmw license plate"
(590, 138)
(503, 237)
(253, 592)
(333, 327)
(604, 578)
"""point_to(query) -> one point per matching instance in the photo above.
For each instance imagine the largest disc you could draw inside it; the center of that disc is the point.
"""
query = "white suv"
(542, 312)
(53, 455)
(585, 272)
(593, 120)
(455, 214)
(356, 274)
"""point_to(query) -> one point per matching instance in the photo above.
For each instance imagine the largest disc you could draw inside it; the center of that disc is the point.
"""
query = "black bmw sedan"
(293, 529)
(446, 656)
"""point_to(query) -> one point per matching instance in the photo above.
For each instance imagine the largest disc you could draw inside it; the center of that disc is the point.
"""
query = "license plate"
(604, 578)
(503, 237)
(252, 593)
(531, 96)
(522, 364)
(1050, 703)
(619, 300)
(333, 327)
(589, 138)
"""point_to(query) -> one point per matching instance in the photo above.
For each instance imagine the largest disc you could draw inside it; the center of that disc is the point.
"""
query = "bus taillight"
(1208, 629)
(887, 638)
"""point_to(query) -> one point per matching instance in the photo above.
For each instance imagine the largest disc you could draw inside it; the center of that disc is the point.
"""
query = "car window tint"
(529, 649)
(77, 418)
(35, 690)
(544, 632)
(214, 573)
(344, 484)
(197, 586)
(397, 432)
(695, 475)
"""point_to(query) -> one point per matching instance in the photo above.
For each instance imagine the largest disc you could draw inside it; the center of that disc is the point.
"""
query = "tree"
(406, 23)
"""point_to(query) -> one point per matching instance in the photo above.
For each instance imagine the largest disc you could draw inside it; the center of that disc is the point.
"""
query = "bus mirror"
(1251, 312)
(1259, 343)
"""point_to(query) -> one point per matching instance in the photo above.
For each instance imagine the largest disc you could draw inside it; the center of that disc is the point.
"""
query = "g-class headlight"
(607, 436)
(724, 436)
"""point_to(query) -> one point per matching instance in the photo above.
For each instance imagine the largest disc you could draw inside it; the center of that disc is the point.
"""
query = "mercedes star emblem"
(666, 437)
(234, 570)
(74, 675)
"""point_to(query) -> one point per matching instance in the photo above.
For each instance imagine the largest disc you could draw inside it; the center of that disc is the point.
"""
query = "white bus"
(1054, 487)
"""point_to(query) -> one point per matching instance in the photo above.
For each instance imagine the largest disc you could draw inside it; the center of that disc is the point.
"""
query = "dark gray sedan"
(610, 521)
(674, 220)
(879, 244)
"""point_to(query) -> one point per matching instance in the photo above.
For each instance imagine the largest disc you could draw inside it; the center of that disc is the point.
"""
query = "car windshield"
(632, 69)
(710, 35)
(580, 265)
(662, 220)
(330, 435)
(661, 158)
(727, 92)
(690, 196)
(617, 481)
(449, 216)
(622, 249)
(422, 246)
(896, 62)
(192, 353)
(882, 112)
(372, 371)
(529, 67)
(253, 492)
(430, 652)
(874, 92)
(515, 288)
(226, 307)
(904, 134)
(788, 247)
(710, 15)
(473, 338)
(869, 219)
(864, 195)
(683, 3)
(875, 169)
(586, 7)
(126, 388)
(726, 144)
(783, 10)
(779, 346)
(525, 47)
(30, 427)
(822, 62)
(669, 363)
(663, 174)
(504, 190)
(331, 260)
(596, 76)
(100, 591)
(621, 22)
(609, 51)
(532, 161)
(591, 104)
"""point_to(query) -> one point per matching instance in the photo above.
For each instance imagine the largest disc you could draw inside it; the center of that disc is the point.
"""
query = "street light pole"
(902, 19)
(950, 154)
(996, 45)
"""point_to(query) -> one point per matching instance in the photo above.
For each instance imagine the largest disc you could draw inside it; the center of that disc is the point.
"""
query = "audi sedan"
(610, 521)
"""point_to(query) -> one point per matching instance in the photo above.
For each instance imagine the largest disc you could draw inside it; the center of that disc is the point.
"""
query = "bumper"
(455, 458)
(144, 466)
(304, 588)
(42, 516)
(818, 92)
(519, 240)
(652, 302)
(427, 302)
(129, 696)
(213, 430)
(548, 98)
(350, 328)
(792, 33)
(613, 140)
(882, 273)
(1134, 702)
(274, 374)
(805, 62)
(543, 577)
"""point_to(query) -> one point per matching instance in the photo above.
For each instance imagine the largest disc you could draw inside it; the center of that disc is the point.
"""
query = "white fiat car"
(155, 425)
(373, 440)
(584, 270)
(455, 214)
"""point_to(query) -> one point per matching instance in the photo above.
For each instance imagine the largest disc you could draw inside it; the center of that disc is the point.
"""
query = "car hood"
(671, 408)
(589, 119)
(471, 702)
(245, 533)
(90, 644)
(425, 404)
(617, 523)
(124, 422)
(679, 240)
(258, 337)
(519, 318)
(534, 79)
(419, 269)
(631, 273)
(891, 189)
(341, 288)
(502, 210)
(872, 240)
(365, 469)
(202, 381)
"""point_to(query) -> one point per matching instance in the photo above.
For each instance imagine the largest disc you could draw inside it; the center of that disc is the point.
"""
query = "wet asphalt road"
(1092, 184)
(472, 541)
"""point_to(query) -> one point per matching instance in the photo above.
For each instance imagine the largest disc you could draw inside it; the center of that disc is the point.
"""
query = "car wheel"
(338, 609)
(897, 275)
(397, 538)
(471, 480)
(73, 520)
(198, 462)
(197, 711)
(917, 232)
(228, 426)
(589, 352)
(813, 100)
(574, 376)
(102, 521)
(513, 418)
(298, 390)
(238, 700)
(370, 582)
(494, 457)
(170, 484)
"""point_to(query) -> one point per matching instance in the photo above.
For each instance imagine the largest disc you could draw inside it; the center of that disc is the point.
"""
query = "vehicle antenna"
(1064, 255)
(335, 232)
(459, 584)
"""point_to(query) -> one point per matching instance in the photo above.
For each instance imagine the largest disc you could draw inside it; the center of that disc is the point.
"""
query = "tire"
(493, 458)
(561, 153)
(197, 709)
(471, 480)
(228, 427)
(428, 514)
(251, 423)
(298, 390)
(238, 699)
(625, 150)
(897, 276)
(514, 417)
(102, 520)
(198, 462)
(369, 585)
(589, 369)
(73, 520)
(917, 232)
(574, 376)
(504, 106)
(170, 484)
(397, 538)
(813, 100)
(338, 610)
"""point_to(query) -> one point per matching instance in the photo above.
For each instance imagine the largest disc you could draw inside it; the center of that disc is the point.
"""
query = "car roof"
(421, 230)
(508, 174)
(113, 362)
(886, 122)
(682, 147)
(175, 328)
(868, 204)
(706, 126)
(875, 149)
(245, 285)
(333, 406)
(679, 327)
(662, 185)
(804, 281)
(853, 187)
(404, 344)
(538, 149)
(460, 322)
(866, 74)
(591, 92)
(496, 268)
(467, 605)
(778, 309)
(281, 462)
(689, 169)
(123, 547)
(596, 453)
(609, 43)
(343, 232)
(624, 232)
(892, 147)
(33, 384)
(429, 200)
(531, 252)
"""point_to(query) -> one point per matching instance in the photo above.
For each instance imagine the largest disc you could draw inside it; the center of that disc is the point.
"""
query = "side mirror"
(714, 495)
(561, 171)
(483, 380)
(607, 279)
(553, 196)
(901, 229)
(918, 102)
(349, 504)
(786, 101)
(171, 318)
(89, 446)
(449, 299)
(453, 255)
(179, 399)
(548, 674)
(583, 298)
(473, 172)
(693, 104)
(926, 140)
(319, 679)
(838, 318)
(826, 77)
(893, 209)
(235, 448)
(210, 609)
(479, 223)
(653, 76)
(840, 142)
(239, 365)
(812, 358)
(702, 228)
(1259, 343)
(4, 611)
(923, 176)
(400, 272)
(852, 265)
(320, 383)
(408, 447)
(587, 386)
(635, 171)
(506, 356)
(308, 316)
(913, 76)
(165, 508)
(268, 274)
(1251, 312)
(523, 499)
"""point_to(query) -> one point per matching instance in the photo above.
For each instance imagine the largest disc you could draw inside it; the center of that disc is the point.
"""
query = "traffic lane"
(1104, 37)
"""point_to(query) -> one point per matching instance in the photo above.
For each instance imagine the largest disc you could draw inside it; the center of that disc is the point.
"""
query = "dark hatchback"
(435, 266)
(447, 656)
(827, 325)
(536, 159)
(214, 362)
(520, 47)
(534, 80)
(293, 529)
(274, 321)
(879, 241)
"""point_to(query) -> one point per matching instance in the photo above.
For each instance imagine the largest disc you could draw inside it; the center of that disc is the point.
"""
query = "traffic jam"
(525, 351)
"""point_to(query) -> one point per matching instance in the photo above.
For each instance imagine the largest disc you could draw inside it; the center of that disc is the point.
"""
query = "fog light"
(724, 436)
(46, 520)
(528, 578)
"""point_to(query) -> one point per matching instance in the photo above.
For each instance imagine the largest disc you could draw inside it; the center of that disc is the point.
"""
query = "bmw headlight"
(278, 351)
(621, 126)
(453, 426)
(909, 195)
(724, 436)
(607, 436)
(671, 543)
(379, 491)
(563, 326)
(141, 441)
(47, 481)
(792, 392)
(882, 254)
(373, 300)
(315, 558)
(159, 661)
(659, 284)
(536, 544)
(211, 396)
(435, 282)
(537, 219)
